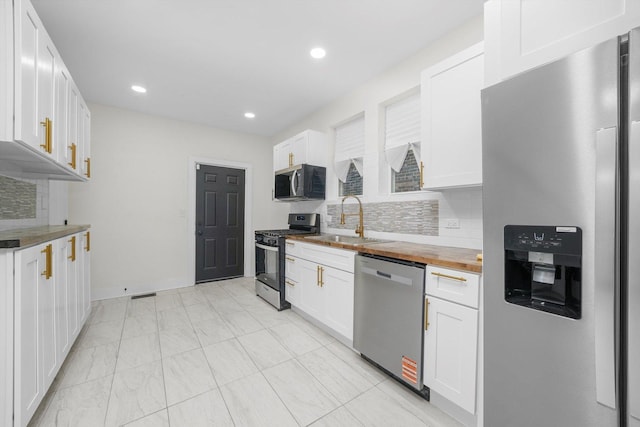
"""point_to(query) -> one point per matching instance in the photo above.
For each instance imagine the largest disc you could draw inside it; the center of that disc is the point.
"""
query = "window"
(348, 156)
(402, 143)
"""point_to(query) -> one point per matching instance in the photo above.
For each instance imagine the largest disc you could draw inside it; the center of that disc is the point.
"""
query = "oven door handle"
(267, 248)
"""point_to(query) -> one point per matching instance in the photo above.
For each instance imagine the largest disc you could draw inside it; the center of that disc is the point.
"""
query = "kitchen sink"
(349, 240)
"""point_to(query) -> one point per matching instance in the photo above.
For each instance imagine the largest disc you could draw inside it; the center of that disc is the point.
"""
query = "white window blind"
(349, 147)
(402, 130)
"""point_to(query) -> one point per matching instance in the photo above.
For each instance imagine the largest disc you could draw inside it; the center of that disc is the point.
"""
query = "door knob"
(199, 232)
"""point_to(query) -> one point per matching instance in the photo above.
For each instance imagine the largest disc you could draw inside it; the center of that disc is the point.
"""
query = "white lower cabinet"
(323, 289)
(451, 335)
(50, 309)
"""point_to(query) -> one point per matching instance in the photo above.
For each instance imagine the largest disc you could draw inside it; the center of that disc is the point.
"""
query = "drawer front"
(453, 285)
(291, 269)
(331, 257)
(293, 247)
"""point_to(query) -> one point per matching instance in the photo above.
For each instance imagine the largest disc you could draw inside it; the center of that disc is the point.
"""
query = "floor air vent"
(152, 294)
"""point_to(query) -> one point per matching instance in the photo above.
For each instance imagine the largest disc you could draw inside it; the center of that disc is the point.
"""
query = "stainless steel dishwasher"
(388, 321)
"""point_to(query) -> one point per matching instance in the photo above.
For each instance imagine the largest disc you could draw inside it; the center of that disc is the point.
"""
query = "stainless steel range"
(270, 257)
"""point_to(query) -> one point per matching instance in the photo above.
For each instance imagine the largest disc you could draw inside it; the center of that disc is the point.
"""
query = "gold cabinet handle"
(72, 257)
(290, 259)
(290, 159)
(421, 174)
(88, 162)
(88, 236)
(48, 125)
(459, 279)
(290, 283)
(317, 275)
(426, 314)
(74, 151)
(321, 276)
(48, 263)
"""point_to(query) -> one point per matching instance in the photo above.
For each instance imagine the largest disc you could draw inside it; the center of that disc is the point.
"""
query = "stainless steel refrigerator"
(561, 200)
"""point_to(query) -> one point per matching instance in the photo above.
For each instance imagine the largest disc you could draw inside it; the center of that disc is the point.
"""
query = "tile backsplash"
(23, 203)
(419, 217)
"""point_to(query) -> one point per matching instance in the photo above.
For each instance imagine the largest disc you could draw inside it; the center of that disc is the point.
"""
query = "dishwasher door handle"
(383, 274)
(395, 278)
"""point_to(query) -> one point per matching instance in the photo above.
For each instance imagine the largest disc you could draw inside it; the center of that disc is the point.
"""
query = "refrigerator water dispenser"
(543, 268)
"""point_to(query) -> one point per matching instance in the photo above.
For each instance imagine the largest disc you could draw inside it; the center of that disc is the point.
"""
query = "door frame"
(248, 210)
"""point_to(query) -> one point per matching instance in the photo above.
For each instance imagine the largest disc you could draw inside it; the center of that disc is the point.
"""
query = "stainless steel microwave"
(301, 182)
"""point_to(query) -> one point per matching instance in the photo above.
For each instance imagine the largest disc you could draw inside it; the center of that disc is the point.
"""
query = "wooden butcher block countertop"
(443, 256)
(23, 237)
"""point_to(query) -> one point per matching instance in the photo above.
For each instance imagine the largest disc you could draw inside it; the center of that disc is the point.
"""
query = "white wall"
(137, 200)
(370, 98)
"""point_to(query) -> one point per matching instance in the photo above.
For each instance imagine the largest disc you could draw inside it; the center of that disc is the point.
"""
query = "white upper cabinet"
(451, 121)
(37, 107)
(308, 147)
(521, 35)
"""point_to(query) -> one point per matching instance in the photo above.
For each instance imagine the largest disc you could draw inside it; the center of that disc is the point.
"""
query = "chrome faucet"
(360, 227)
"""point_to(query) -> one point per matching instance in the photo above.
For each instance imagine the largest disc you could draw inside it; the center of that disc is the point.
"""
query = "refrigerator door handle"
(605, 255)
(633, 301)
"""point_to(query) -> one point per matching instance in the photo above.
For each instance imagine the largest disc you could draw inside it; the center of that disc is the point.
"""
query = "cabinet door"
(450, 351)
(282, 155)
(84, 280)
(65, 154)
(451, 121)
(299, 149)
(86, 142)
(63, 251)
(35, 58)
(311, 295)
(34, 331)
(337, 289)
(523, 34)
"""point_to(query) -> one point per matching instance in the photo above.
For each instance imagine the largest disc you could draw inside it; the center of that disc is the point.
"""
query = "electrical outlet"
(452, 223)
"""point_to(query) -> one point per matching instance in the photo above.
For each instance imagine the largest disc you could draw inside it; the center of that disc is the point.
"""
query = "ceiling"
(210, 61)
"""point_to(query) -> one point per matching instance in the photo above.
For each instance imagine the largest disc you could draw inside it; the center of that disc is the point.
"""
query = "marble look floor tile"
(236, 290)
(364, 368)
(191, 298)
(106, 312)
(268, 317)
(140, 325)
(213, 292)
(264, 349)
(172, 318)
(263, 409)
(341, 417)
(100, 334)
(138, 351)
(186, 375)
(157, 419)
(87, 364)
(80, 405)
(241, 323)
(212, 331)
(301, 393)
(318, 334)
(167, 301)
(205, 410)
(229, 361)
(178, 340)
(415, 404)
(136, 393)
(142, 307)
(226, 305)
(335, 374)
(375, 408)
(294, 339)
(201, 311)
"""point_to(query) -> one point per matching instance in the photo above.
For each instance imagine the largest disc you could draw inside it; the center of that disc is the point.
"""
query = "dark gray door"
(219, 223)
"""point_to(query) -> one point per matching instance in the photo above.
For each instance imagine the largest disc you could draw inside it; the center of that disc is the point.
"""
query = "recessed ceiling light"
(250, 115)
(139, 89)
(318, 53)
